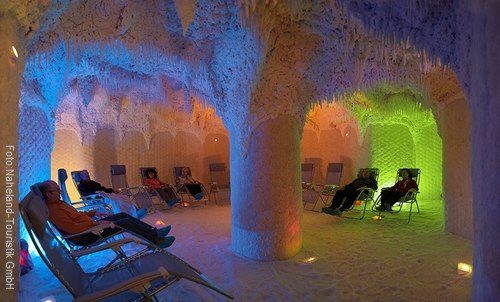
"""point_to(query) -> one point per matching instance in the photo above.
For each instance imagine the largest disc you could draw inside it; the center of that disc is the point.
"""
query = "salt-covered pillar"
(484, 79)
(266, 193)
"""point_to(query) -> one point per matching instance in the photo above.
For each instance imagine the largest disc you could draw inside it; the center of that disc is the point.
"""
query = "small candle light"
(464, 268)
(310, 259)
(48, 299)
(159, 223)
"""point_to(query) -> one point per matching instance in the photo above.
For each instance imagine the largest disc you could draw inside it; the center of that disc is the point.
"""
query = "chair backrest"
(143, 173)
(218, 174)
(35, 213)
(307, 172)
(118, 177)
(62, 176)
(75, 175)
(415, 173)
(374, 172)
(334, 173)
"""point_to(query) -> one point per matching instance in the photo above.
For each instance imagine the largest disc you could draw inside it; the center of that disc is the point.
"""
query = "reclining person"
(166, 192)
(350, 192)
(69, 221)
(119, 202)
(185, 180)
(389, 196)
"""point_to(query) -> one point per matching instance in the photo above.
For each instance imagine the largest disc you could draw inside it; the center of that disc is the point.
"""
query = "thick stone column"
(484, 79)
(265, 192)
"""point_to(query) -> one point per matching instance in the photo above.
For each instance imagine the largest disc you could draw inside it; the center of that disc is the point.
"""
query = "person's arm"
(149, 183)
(70, 221)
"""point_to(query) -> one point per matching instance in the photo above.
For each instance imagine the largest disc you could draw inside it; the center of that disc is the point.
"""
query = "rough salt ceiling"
(250, 60)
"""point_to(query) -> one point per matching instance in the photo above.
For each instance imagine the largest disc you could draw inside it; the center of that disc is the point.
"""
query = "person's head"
(365, 173)
(151, 173)
(50, 191)
(185, 171)
(406, 174)
(84, 175)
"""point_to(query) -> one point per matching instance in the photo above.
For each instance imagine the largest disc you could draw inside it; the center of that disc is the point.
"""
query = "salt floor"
(355, 260)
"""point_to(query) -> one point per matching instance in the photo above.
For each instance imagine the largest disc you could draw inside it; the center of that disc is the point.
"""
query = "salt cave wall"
(87, 138)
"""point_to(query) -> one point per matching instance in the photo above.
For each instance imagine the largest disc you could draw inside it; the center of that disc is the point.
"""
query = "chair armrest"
(136, 284)
(114, 245)
(96, 230)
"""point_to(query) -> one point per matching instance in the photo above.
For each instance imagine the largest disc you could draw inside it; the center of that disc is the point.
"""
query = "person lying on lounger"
(119, 202)
(166, 192)
(389, 196)
(69, 221)
(186, 181)
(350, 192)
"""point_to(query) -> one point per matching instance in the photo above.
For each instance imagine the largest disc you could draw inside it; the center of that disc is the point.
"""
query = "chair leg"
(411, 207)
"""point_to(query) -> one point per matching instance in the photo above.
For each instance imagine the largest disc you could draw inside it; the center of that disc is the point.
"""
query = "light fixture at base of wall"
(14, 51)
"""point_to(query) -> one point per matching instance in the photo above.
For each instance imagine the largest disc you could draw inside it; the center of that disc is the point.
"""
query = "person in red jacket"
(390, 196)
(69, 221)
(166, 191)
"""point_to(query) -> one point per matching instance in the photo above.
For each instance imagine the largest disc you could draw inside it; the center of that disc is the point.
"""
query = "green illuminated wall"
(400, 132)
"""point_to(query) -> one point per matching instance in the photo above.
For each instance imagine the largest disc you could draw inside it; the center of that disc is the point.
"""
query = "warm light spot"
(216, 140)
(347, 134)
(310, 259)
(464, 268)
(48, 299)
(14, 51)
(377, 217)
(159, 223)
(358, 202)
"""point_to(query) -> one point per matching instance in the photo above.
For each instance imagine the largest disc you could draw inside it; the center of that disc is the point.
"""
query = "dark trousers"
(125, 221)
(390, 197)
(167, 193)
(349, 195)
(193, 189)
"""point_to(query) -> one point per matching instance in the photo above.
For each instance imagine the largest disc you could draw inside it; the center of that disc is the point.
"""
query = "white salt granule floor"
(357, 260)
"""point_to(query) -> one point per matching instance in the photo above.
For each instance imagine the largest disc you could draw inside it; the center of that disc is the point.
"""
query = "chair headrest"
(118, 170)
(36, 210)
(62, 175)
(178, 171)
(307, 166)
(217, 167)
(373, 172)
(335, 167)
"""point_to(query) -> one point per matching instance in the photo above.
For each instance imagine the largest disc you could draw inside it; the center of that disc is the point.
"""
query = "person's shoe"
(172, 202)
(164, 231)
(165, 242)
(380, 208)
(337, 212)
(141, 213)
(327, 210)
(198, 196)
(388, 207)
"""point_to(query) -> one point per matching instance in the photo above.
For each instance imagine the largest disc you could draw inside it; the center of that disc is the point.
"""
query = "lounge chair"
(409, 198)
(324, 192)
(365, 194)
(140, 195)
(137, 277)
(220, 185)
(184, 190)
(155, 193)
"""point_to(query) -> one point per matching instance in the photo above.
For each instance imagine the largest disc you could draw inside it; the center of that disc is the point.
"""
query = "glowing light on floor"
(310, 259)
(159, 223)
(48, 299)
(376, 217)
(464, 268)
(14, 51)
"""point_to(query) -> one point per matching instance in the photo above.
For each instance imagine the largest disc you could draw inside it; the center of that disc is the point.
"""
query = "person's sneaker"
(164, 231)
(141, 213)
(327, 210)
(388, 207)
(380, 208)
(337, 212)
(165, 242)
(198, 196)
(172, 202)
